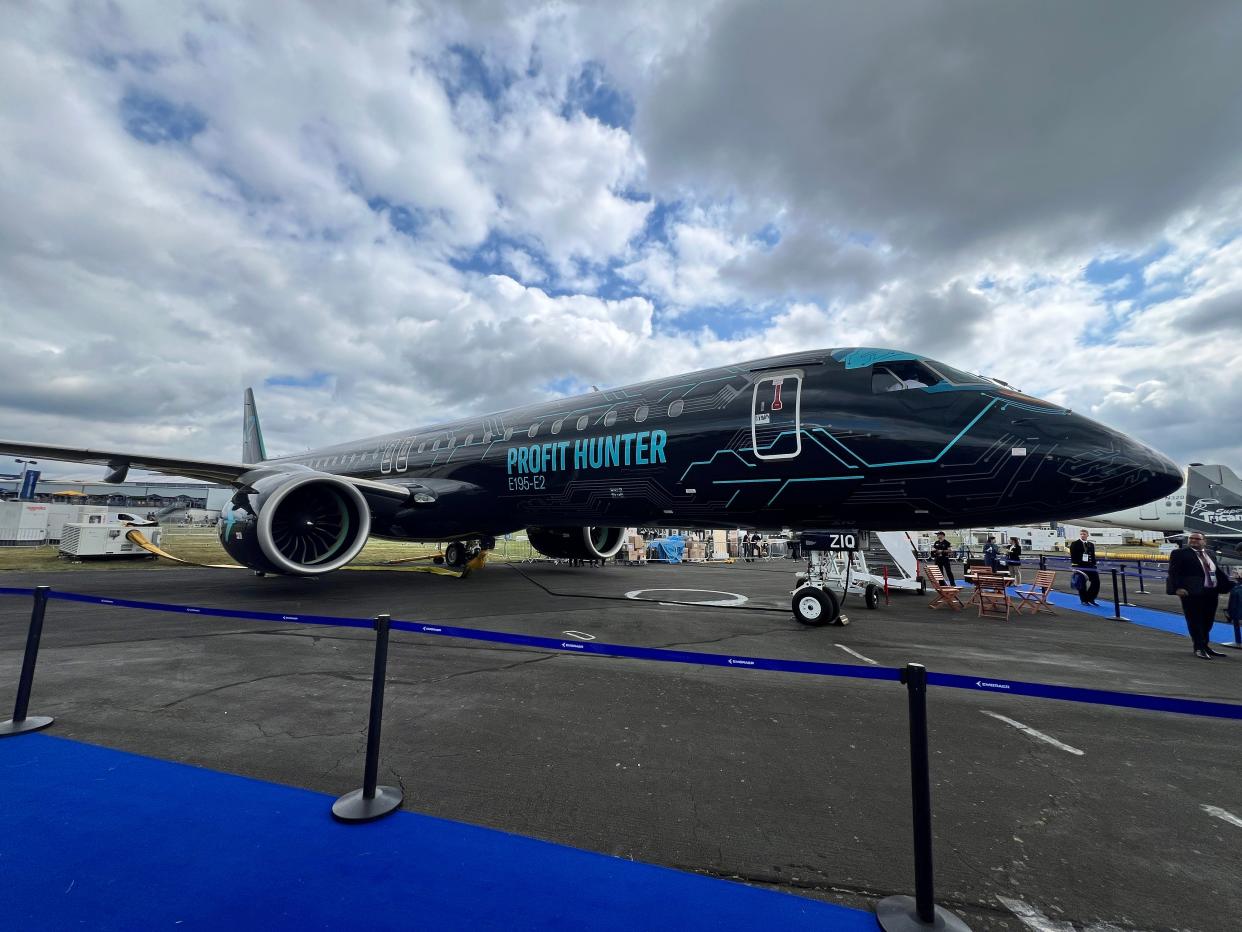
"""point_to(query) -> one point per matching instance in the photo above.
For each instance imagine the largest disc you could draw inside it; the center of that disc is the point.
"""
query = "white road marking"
(858, 655)
(1028, 730)
(733, 597)
(1222, 815)
(580, 635)
(1032, 918)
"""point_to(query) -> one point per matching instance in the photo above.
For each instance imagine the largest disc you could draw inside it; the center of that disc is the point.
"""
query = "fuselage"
(1165, 515)
(867, 438)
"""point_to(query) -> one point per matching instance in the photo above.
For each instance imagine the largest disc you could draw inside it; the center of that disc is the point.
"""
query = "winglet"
(253, 450)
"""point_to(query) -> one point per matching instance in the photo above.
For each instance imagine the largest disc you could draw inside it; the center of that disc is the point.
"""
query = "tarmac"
(1048, 815)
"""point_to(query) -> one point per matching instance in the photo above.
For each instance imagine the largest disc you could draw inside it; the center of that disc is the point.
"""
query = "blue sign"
(29, 481)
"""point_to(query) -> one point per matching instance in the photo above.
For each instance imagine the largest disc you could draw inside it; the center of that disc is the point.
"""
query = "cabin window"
(556, 425)
(422, 446)
(534, 431)
(641, 414)
(508, 433)
(901, 376)
(469, 438)
(610, 418)
(487, 436)
(582, 422)
(675, 409)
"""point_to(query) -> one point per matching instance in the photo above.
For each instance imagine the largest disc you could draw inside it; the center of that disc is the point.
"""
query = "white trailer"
(23, 524)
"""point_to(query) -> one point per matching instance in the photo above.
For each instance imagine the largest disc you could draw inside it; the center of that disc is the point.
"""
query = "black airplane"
(871, 439)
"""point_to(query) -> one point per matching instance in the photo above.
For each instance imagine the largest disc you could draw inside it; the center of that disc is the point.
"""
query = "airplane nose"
(1108, 471)
(1166, 474)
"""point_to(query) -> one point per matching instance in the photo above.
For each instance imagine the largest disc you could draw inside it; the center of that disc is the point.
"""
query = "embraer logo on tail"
(642, 448)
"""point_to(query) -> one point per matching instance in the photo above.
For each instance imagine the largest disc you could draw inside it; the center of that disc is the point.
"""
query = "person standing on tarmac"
(1013, 558)
(941, 549)
(1233, 611)
(1082, 558)
(1195, 578)
(991, 555)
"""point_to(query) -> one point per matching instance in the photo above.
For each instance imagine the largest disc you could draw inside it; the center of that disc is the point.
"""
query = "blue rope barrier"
(657, 653)
(1198, 707)
(331, 620)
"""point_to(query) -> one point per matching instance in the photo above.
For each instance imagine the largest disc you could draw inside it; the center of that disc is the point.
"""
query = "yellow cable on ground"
(137, 537)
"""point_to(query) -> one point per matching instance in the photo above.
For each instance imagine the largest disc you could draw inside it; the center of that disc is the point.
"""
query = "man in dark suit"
(1195, 578)
(1082, 558)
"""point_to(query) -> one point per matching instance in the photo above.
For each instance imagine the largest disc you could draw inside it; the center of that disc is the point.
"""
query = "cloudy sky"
(386, 214)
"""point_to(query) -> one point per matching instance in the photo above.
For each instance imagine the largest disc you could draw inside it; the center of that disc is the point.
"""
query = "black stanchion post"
(1125, 596)
(1142, 588)
(920, 912)
(372, 801)
(1043, 562)
(1116, 599)
(19, 724)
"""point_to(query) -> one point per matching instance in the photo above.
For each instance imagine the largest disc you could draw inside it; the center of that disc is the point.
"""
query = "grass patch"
(200, 545)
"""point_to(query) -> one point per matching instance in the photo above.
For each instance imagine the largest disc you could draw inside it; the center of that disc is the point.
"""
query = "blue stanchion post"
(371, 802)
(20, 723)
(1116, 599)
(1125, 596)
(920, 912)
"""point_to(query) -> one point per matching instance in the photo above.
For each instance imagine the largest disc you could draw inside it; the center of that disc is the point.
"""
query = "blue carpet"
(1147, 617)
(98, 839)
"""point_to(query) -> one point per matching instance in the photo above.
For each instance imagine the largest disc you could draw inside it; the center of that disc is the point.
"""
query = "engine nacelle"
(303, 524)
(576, 543)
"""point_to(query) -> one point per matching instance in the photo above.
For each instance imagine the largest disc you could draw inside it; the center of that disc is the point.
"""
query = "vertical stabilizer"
(1214, 508)
(253, 450)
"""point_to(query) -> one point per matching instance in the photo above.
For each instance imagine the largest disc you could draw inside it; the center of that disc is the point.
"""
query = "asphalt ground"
(796, 782)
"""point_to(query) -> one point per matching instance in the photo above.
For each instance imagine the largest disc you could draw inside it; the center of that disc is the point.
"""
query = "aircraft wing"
(228, 473)
(192, 469)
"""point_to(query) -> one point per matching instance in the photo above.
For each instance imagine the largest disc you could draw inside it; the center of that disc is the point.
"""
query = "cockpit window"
(897, 376)
(957, 376)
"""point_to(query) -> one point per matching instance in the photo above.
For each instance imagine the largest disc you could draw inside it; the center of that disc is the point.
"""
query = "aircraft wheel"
(815, 607)
(487, 543)
(871, 595)
(456, 556)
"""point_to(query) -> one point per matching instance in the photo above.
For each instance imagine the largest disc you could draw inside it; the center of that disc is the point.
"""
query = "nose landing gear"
(835, 568)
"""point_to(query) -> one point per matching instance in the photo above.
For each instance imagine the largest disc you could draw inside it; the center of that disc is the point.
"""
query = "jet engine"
(576, 543)
(301, 525)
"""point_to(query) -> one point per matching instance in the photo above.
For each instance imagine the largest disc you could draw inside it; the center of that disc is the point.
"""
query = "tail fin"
(253, 450)
(1214, 508)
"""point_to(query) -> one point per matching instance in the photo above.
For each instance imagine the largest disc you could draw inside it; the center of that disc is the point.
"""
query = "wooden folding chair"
(1035, 594)
(945, 594)
(993, 593)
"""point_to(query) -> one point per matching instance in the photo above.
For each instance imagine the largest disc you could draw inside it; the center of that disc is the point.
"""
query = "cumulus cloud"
(406, 212)
(938, 126)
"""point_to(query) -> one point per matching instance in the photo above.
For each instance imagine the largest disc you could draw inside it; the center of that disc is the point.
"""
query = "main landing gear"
(459, 553)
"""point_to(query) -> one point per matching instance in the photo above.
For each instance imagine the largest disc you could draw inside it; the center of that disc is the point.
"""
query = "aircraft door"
(386, 460)
(1149, 512)
(776, 415)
